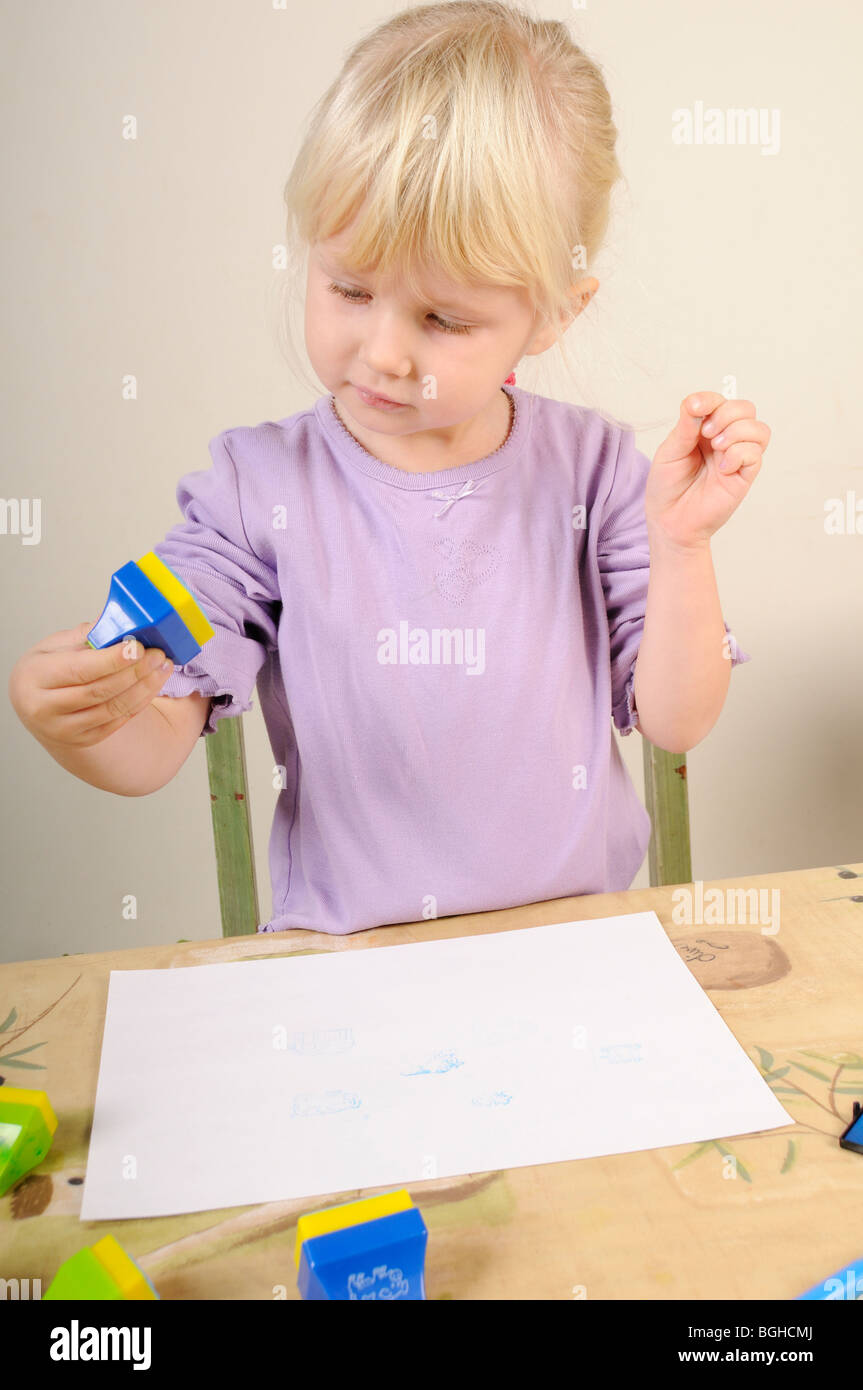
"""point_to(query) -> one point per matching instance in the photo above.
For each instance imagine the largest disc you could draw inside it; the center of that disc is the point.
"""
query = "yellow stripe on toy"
(101, 1271)
(320, 1223)
(177, 595)
(122, 1268)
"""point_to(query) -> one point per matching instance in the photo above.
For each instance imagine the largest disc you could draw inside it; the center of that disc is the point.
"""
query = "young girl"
(438, 580)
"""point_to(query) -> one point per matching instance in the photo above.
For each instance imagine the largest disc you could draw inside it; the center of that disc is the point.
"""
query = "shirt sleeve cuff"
(226, 694)
(627, 714)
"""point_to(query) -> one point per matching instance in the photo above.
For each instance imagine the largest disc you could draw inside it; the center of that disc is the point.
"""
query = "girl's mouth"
(379, 402)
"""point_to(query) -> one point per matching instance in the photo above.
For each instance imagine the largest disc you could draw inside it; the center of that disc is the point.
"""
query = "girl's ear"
(582, 292)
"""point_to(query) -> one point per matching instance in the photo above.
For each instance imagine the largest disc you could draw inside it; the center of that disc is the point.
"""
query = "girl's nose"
(384, 350)
(382, 363)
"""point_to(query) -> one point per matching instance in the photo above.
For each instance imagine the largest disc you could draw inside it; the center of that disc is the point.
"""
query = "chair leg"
(667, 804)
(232, 828)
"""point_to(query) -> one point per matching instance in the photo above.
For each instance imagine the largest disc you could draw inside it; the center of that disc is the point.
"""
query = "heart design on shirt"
(467, 564)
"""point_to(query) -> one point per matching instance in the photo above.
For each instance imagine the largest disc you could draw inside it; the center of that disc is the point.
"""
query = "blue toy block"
(381, 1259)
(148, 602)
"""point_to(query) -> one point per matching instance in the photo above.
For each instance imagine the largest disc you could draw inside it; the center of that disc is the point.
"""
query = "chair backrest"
(232, 827)
(665, 798)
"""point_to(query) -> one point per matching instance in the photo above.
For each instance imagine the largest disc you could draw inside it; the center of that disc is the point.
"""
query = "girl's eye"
(356, 295)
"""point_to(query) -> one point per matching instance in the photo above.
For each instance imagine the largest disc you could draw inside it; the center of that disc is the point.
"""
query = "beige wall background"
(154, 257)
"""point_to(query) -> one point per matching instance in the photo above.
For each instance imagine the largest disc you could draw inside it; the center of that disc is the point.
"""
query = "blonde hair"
(468, 137)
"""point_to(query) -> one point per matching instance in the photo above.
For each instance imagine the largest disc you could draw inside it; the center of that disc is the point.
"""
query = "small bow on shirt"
(464, 491)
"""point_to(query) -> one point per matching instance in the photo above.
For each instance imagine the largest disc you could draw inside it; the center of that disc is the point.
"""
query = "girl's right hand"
(66, 693)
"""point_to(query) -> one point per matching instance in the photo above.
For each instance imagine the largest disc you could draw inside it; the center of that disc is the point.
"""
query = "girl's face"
(443, 359)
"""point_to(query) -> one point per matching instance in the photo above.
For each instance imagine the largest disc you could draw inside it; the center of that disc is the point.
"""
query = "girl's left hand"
(693, 486)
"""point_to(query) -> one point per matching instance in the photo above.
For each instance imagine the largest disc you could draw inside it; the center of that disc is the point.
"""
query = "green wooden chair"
(232, 827)
(664, 792)
(667, 804)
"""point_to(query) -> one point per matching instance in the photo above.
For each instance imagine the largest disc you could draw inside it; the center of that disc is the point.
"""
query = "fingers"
(67, 693)
(728, 428)
(72, 663)
(737, 439)
(741, 444)
(66, 639)
(701, 403)
(78, 694)
(724, 413)
(121, 706)
(684, 436)
(105, 705)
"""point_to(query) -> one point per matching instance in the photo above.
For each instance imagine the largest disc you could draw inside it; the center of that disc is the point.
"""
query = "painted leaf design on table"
(8, 1059)
(839, 1059)
(782, 1083)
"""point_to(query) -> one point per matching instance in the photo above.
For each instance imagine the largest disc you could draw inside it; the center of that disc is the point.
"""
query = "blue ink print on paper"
(621, 1052)
(496, 1098)
(321, 1042)
(435, 1065)
(381, 1283)
(324, 1102)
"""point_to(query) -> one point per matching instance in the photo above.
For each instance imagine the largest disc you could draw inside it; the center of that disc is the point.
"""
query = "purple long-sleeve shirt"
(439, 657)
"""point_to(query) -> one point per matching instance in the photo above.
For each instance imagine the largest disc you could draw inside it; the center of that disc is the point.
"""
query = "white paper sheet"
(223, 1085)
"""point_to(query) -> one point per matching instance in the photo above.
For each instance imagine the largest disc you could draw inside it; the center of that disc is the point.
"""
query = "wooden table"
(660, 1224)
